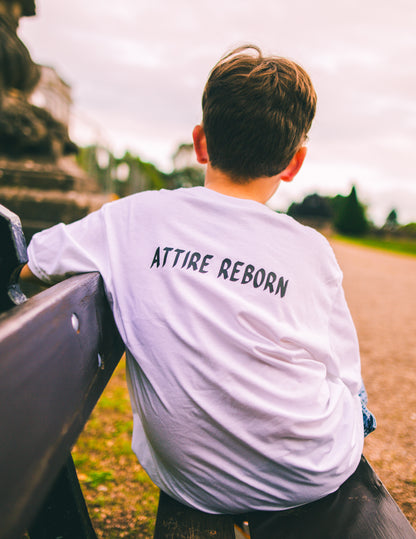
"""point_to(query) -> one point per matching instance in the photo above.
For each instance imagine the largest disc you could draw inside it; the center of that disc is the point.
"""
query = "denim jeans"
(368, 418)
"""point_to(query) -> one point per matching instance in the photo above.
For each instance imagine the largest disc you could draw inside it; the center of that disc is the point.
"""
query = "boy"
(242, 358)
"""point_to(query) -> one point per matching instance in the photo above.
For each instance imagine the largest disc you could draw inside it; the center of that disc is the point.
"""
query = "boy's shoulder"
(142, 200)
(302, 231)
(312, 247)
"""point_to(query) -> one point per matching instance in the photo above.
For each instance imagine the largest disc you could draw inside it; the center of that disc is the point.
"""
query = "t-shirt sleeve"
(344, 342)
(64, 250)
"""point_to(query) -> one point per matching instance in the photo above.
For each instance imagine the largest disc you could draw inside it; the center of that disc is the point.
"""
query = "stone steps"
(43, 194)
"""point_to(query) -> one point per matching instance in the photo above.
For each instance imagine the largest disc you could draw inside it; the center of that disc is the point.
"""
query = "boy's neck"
(260, 189)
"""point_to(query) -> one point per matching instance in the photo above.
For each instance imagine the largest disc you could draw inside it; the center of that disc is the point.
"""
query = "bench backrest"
(57, 352)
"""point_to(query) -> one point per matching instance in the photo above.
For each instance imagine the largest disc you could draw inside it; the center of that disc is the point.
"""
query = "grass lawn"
(402, 246)
(122, 500)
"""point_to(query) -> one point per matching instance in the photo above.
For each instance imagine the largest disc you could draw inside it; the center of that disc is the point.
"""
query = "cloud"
(138, 70)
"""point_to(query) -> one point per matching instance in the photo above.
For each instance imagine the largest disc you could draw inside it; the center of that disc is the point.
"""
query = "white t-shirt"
(243, 361)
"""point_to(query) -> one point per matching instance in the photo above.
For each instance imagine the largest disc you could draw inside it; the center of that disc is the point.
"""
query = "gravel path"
(381, 292)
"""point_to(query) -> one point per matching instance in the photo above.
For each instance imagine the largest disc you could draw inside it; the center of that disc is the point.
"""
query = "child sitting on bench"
(242, 358)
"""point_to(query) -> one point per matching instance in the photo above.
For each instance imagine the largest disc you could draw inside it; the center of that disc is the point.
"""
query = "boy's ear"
(200, 144)
(294, 166)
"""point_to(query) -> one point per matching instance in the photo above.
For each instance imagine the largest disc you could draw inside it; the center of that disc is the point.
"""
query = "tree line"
(129, 174)
(347, 215)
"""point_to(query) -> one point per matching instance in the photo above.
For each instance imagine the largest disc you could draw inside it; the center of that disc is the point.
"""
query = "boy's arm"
(344, 342)
(67, 249)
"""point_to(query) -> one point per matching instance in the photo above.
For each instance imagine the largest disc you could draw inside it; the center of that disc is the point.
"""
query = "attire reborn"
(242, 358)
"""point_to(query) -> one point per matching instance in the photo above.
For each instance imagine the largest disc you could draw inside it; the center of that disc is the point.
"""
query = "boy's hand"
(27, 276)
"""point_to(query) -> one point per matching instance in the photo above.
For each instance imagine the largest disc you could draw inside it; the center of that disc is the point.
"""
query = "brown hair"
(256, 113)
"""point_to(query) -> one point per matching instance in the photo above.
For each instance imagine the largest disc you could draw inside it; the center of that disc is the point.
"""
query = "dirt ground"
(381, 292)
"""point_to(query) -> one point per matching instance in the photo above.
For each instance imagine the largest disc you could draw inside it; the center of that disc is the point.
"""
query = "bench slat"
(177, 521)
(48, 391)
(360, 509)
(64, 512)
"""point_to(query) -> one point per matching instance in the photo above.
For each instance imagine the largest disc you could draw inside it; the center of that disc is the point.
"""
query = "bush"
(311, 206)
(408, 231)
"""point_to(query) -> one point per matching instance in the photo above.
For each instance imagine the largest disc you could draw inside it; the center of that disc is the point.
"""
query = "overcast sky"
(137, 70)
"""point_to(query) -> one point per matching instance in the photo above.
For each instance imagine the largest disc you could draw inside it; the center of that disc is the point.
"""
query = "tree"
(391, 220)
(186, 177)
(351, 219)
(187, 171)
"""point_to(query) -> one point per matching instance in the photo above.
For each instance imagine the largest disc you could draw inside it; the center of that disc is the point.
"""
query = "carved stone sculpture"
(25, 130)
(37, 181)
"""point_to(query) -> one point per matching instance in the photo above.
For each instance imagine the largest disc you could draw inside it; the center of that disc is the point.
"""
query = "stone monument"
(39, 179)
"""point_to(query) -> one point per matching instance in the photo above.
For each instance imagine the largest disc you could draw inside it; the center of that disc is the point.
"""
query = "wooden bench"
(57, 352)
(361, 509)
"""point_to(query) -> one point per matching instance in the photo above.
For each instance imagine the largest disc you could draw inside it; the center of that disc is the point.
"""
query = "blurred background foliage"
(345, 215)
